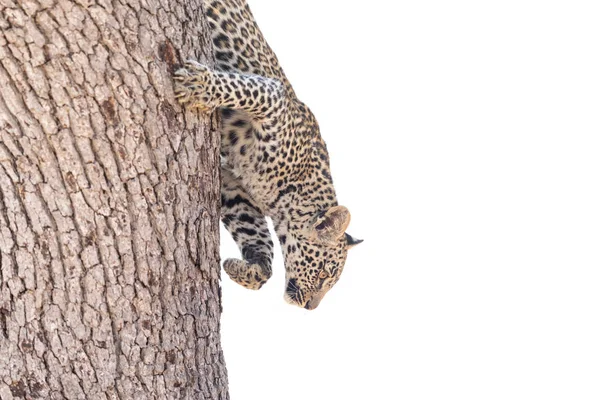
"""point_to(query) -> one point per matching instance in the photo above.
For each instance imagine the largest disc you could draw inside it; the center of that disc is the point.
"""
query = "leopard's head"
(315, 253)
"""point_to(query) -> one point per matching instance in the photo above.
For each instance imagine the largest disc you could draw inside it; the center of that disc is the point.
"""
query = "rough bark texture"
(109, 274)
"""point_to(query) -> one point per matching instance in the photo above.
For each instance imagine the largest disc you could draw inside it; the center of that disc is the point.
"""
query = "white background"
(465, 139)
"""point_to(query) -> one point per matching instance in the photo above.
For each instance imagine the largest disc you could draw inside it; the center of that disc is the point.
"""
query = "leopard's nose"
(312, 303)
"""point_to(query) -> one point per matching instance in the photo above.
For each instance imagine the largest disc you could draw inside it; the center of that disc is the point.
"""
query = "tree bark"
(109, 204)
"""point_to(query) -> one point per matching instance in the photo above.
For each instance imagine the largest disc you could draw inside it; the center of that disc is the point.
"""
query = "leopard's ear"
(351, 242)
(331, 224)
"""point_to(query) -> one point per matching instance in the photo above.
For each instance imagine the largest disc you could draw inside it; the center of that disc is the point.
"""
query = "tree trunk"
(109, 264)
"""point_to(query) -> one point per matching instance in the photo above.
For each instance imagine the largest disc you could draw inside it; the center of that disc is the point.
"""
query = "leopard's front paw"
(191, 86)
(251, 276)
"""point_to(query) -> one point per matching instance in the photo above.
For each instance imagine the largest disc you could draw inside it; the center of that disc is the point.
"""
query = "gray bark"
(109, 273)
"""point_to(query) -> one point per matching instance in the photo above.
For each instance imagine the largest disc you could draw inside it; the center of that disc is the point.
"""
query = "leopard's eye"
(323, 274)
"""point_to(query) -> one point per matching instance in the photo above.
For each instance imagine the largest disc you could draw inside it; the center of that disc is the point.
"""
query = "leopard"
(274, 162)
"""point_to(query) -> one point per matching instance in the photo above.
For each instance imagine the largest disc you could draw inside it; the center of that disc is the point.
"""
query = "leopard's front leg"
(248, 227)
(198, 86)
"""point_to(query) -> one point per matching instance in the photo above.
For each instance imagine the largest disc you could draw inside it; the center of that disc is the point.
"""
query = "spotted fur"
(274, 162)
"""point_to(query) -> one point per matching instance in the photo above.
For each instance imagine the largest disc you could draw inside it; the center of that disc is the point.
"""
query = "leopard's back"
(239, 43)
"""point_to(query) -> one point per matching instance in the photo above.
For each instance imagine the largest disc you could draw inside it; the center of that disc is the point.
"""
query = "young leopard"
(274, 162)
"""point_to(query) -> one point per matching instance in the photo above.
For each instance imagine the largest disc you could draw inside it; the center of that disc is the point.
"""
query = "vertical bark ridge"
(109, 274)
